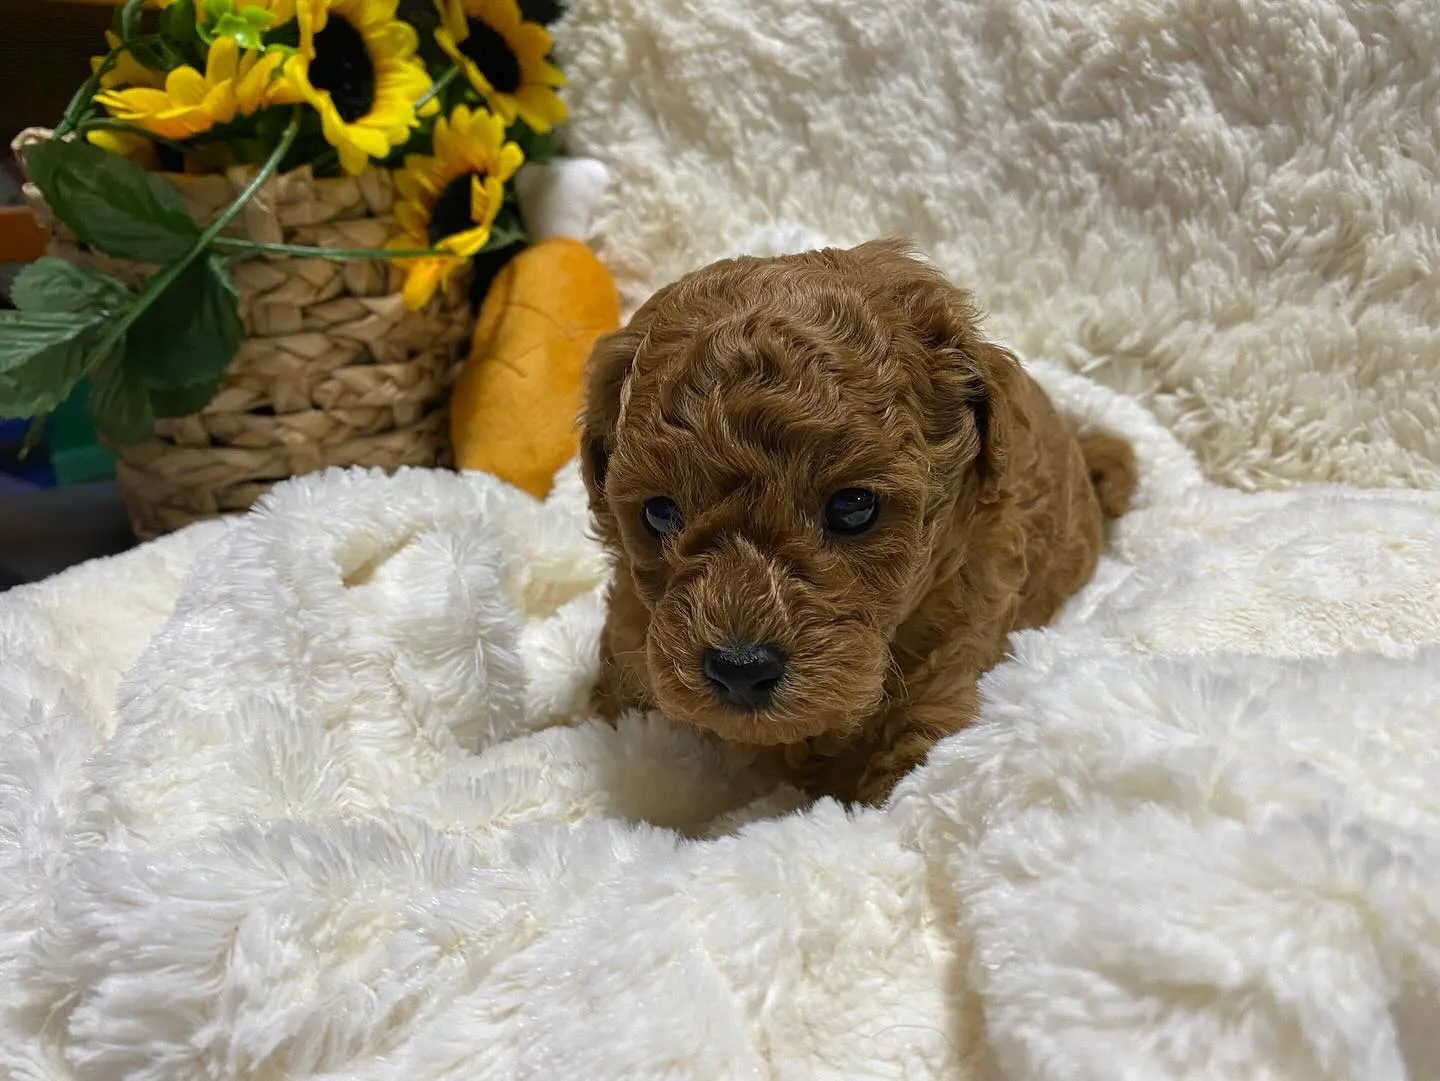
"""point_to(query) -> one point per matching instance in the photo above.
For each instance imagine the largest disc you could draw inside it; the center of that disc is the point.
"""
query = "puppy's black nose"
(745, 676)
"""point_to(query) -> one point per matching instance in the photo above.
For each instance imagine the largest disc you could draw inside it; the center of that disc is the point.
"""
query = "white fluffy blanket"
(346, 818)
(1228, 207)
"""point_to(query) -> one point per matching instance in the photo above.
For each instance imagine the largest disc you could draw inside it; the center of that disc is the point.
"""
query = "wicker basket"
(334, 369)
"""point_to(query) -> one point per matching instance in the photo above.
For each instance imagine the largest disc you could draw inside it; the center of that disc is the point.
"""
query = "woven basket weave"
(334, 369)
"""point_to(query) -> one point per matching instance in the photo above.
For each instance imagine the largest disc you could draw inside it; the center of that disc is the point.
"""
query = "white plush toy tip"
(558, 197)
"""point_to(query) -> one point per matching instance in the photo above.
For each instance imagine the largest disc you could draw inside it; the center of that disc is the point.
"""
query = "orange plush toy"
(515, 402)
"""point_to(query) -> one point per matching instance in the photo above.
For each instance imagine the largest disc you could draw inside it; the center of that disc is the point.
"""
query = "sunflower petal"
(485, 199)
(425, 276)
(353, 160)
(468, 243)
(511, 158)
(529, 40)
(412, 219)
(222, 61)
(253, 89)
(372, 140)
(501, 15)
(452, 22)
(138, 101)
(395, 39)
(185, 86)
(540, 107)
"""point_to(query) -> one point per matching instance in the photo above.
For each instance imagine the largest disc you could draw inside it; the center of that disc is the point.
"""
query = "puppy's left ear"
(989, 380)
(969, 388)
(605, 375)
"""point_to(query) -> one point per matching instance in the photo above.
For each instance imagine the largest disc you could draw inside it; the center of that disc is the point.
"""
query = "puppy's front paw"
(616, 693)
(884, 770)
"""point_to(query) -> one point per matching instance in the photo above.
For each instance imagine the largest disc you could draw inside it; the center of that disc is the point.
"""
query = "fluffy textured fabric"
(1229, 207)
(346, 819)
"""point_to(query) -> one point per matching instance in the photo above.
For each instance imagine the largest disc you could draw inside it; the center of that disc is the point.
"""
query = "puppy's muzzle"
(744, 676)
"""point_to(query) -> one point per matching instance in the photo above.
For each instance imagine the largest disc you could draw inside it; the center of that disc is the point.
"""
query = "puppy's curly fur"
(751, 391)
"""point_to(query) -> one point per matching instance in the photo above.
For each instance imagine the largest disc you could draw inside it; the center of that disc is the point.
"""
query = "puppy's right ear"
(962, 375)
(605, 375)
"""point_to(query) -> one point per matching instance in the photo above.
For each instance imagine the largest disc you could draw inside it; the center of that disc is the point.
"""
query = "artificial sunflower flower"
(191, 103)
(126, 71)
(449, 201)
(504, 58)
(356, 66)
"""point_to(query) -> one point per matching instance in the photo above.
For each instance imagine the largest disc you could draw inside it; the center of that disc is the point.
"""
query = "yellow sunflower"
(503, 56)
(191, 103)
(449, 201)
(357, 67)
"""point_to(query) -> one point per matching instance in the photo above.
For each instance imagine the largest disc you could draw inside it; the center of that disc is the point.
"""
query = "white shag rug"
(1228, 207)
(346, 818)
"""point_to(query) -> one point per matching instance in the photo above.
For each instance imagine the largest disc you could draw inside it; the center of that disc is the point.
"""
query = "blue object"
(27, 475)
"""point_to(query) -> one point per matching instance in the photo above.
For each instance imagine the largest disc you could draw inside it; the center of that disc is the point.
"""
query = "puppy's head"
(782, 452)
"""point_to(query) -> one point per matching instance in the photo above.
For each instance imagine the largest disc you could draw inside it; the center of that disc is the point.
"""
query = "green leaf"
(177, 22)
(183, 400)
(57, 285)
(23, 334)
(146, 54)
(179, 15)
(246, 27)
(192, 330)
(131, 8)
(42, 357)
(536, 146)
(110, 202)
(119, 405)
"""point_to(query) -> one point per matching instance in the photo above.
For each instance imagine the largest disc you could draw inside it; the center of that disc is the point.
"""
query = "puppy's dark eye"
(661, 515)
(851, 510)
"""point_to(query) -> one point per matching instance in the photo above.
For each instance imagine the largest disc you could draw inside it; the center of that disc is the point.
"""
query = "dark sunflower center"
(342, 65)
(492, 54)
(451, 212)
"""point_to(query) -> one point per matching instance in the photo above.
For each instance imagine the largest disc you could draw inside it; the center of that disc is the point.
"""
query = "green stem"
(497, 240)
(438, 88)
(33, 434)
(238, 245)
(129, 15)
(84, 97)
(502, 240)
(161, 281)
(79, 104)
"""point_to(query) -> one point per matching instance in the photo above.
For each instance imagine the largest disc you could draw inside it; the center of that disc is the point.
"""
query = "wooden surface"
(45, 50)
(21, 240)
